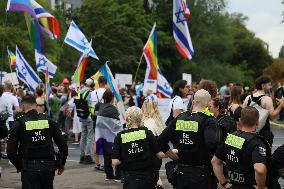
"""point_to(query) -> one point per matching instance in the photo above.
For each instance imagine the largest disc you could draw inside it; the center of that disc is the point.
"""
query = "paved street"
(79, 176)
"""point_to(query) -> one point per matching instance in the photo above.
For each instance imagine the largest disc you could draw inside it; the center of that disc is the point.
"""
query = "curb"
(277, 124)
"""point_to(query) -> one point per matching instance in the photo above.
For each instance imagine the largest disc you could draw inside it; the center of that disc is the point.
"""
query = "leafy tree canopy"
(225, 50)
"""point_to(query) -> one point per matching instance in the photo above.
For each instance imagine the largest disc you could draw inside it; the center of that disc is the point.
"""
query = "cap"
(65, 81)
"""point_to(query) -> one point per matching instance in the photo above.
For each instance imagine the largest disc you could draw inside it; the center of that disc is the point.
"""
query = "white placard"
(11, 77)
(188, 78)
(123, 79)
(2, 75)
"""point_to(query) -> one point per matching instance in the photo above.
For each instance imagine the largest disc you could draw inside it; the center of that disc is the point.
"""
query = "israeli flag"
(181, 31)
(77, 39)
(163, 85)
(42, 62)
(25, 72)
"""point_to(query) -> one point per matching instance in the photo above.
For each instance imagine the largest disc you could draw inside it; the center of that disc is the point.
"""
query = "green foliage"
(225, 50)
(281, 52)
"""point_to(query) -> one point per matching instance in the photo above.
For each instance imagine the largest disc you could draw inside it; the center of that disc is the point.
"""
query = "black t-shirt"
(256, 153)
(240, 152)
(277, 158)
(195, 135)
(135, 148)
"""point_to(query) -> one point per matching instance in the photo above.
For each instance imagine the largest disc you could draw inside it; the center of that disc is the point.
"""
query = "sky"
(264, 20)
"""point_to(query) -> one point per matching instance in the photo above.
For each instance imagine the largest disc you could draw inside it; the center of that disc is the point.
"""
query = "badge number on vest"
(191, 126)
(37, 125)
(133, 136)
(235, 141)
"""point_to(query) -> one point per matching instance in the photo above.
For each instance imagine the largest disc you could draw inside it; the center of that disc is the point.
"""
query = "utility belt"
(241, 186)
(174, 169)
(28, 164)
(140, 175)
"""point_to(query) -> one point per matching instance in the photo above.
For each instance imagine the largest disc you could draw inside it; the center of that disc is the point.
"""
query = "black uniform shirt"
(258, 153)
(195, 146)
(24, 139)
(277, 158)
(241, 150)
(135, 154)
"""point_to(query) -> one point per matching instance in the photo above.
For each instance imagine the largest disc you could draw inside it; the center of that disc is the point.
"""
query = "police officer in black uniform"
(244, 154)
(276, 167)
(30, 147)
(195, 135)
(135, 149)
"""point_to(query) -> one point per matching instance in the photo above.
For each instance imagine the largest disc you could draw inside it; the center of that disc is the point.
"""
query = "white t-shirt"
(98, 93)
(12, 101)
(177, 103)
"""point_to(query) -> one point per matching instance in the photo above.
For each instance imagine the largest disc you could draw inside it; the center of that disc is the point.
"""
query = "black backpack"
(82, 106)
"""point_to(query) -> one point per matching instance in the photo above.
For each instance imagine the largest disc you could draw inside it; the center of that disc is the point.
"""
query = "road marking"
(277, 124)
(69, 148)
(71, 160)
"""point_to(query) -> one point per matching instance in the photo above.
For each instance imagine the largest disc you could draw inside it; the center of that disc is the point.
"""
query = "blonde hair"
(133, 117)
(201, 98)
(150, 111)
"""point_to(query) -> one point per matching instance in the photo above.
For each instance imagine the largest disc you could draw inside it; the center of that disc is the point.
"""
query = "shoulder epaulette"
(207, 112)
(19, 116)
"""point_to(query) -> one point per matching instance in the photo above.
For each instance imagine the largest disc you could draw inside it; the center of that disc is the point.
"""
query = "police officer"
(30, 147)
(244, 154)
(135, 148)
(195, 135)
(277, 167)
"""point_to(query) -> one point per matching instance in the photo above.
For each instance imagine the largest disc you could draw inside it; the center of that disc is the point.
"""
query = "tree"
(276, 70)
(281, 52)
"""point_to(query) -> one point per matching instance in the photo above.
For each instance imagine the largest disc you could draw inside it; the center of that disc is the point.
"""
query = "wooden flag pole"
(3, 43)
(135, 77)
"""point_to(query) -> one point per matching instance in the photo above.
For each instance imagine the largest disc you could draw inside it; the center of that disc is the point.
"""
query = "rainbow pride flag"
(12, 57)
(49, 24)
(21, 5)
(150, 52)
(81, 67)
(35, 33)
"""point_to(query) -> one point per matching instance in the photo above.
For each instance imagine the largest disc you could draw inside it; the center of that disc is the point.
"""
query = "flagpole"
(3, 42)
(135, 77)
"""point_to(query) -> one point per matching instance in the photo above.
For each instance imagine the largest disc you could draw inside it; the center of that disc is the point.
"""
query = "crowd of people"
(218, 138)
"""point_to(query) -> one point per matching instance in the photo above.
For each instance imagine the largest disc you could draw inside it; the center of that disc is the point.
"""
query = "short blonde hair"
(202, 98)
(134, 117)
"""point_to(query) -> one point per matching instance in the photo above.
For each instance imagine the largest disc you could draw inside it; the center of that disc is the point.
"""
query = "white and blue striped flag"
(42, 62)
(163, 86)
(77, 39)
(25, 72)
(181, 31)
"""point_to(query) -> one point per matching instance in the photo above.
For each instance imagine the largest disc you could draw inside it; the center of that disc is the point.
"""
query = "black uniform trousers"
(138, 180)
(38, 174)
(199, 177)
(241, 187)
(109, 169)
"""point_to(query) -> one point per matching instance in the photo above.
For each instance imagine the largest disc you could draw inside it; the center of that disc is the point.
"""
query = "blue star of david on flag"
(78, 40)
(42, 62)
(25, 72)
(180, 16)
